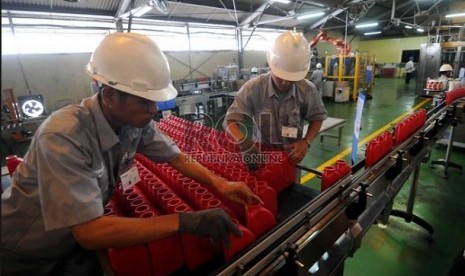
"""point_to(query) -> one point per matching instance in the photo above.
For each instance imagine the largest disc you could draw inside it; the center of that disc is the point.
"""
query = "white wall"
(60, 78)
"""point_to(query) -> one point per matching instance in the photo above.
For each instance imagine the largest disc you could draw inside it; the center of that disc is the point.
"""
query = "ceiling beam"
(123, 8)
(258, 12)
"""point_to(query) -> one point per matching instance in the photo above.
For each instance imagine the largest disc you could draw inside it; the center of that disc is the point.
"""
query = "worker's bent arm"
(110, 231)
(234, 130)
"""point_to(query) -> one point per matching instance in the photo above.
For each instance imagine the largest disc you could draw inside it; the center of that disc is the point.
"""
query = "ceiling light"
(420, 30)
(139, 11)
(455, 15)
(408, 27)
(310, 15)
(372, 33)
(282, 1)
(366, 25)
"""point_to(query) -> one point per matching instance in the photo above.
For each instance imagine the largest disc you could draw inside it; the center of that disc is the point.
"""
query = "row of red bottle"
(332, 174)
(453, 95)
(196, 138)
(195, 194)
(378, 147)
(152, 197)
(408, 126)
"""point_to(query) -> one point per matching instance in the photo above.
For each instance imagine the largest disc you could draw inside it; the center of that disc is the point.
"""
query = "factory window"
(205, 38)
(169, 36)
(259, 39)
(46, 41)
(80, 35)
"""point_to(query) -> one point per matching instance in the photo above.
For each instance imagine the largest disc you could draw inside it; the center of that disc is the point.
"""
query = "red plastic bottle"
(268, 196)
(343, 168)
(329, 177)
(259, 219)
(238, 243)
(165, 254)
(12, 161)
(131, 260)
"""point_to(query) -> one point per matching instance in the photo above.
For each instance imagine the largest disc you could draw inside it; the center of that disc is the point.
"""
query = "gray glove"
(250, 154)
(213, 223)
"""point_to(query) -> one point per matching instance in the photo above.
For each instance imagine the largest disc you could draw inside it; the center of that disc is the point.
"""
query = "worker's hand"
(250, 154)
(297, 151)
(212, 223)
(238, 192)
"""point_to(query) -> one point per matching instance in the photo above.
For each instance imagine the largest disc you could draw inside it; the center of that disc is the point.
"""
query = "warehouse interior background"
(46, 45)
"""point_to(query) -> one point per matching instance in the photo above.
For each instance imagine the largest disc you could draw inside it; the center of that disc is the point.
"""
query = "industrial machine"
(441, 49)
(349, 71)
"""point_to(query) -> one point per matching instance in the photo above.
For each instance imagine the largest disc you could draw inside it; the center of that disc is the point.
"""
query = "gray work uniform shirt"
(317, 78)
(69, 172)
(258, 100)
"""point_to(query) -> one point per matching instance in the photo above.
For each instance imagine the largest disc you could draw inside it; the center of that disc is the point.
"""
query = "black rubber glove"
(213, 223)
(250, 154)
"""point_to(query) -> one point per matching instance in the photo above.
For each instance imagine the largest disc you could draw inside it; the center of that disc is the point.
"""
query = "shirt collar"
(106, 135)
(271, 92)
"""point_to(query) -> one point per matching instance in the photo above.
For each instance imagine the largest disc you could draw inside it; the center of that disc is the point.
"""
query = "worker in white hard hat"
(53, 211)
(445, 72)
(278, 103)
(318, 76)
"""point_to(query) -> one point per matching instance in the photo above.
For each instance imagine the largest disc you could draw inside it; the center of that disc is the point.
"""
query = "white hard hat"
(254, 70)
(319, 66)
(445, 68)
(289, 57)
(132, 63)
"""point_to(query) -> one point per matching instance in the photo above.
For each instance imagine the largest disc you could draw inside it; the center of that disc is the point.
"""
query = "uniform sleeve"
(68, 186)
(314, 109)
(158, 146)
(242, 107)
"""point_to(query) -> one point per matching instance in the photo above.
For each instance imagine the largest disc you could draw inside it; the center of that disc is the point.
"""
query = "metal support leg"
(446, 161)
(408, 214)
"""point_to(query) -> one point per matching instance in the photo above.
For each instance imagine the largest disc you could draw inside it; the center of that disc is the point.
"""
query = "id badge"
(290, 132)
(129, 178)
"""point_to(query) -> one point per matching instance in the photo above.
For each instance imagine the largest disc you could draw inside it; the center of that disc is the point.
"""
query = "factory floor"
(401, 248)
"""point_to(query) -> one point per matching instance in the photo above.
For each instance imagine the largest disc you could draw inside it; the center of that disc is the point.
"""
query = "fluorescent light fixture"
(310, 15)
(366, 25)
(372, 33)
(420, 30)
(141, 10)
(137, 12)
(408, 27)
(455, 15)
(282, 1)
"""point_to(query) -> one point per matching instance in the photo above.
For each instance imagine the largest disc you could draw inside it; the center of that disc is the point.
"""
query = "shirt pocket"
(294, 119)
(264, 118)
